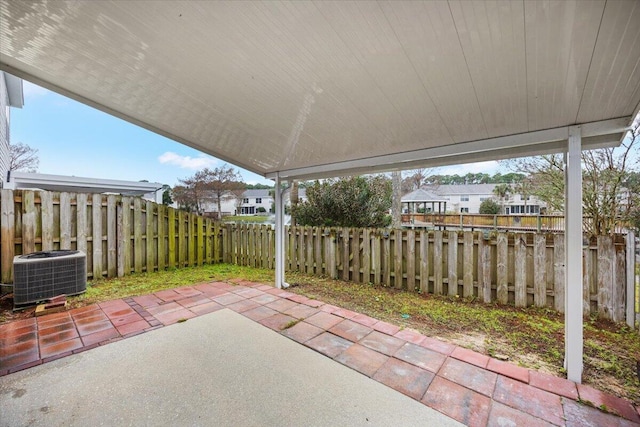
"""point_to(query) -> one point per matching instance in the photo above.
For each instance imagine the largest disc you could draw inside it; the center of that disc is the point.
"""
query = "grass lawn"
(246, 218)
(531, 337)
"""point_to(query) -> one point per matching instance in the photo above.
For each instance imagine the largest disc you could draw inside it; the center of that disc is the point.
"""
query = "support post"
(279, 230)
(630, 301)
(573, 256)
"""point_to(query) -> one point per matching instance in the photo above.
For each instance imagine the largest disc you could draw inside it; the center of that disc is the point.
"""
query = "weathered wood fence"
(121, 235)
(519, 268)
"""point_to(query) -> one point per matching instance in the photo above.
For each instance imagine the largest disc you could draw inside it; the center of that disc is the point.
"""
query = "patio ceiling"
(311, 89)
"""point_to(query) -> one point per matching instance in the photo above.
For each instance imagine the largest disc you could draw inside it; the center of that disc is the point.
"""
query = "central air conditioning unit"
(43, 275)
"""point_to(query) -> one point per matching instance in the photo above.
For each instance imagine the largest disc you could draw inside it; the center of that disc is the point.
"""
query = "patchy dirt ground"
(531, 337)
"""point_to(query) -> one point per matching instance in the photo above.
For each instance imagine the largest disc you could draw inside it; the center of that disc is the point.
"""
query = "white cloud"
(490, 167)
(29, 90)
(187, 162)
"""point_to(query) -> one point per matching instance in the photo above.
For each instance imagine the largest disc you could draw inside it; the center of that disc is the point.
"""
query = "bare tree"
(396, 199)
(209, 185)
(606, 197)
(23, 158)
(295, 198)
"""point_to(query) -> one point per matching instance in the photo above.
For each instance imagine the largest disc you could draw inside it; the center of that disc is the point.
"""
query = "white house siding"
(467, 199)
(4, 129)
(252, 201)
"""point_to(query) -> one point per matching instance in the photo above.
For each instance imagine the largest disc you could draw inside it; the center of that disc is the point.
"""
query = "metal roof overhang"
(28, 180)
(316, 89)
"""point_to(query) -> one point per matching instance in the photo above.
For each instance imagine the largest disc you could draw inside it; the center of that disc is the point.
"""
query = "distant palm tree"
(502, 191)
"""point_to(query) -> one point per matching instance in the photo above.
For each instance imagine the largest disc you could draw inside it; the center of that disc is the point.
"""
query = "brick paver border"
(436, 373)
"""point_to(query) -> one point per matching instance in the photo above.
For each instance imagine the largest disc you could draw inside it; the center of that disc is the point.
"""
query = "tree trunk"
(294, 201)
(396, 201)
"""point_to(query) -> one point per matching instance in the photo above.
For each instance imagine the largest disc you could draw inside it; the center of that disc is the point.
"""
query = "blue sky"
(74, 139)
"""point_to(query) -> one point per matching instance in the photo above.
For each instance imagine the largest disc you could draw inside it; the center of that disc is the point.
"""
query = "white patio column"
(573, 345)
(279, 230)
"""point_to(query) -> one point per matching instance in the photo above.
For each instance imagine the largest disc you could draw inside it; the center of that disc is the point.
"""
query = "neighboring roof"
(313, 89)
(421, 195)
(256, 193)
(24, 180)
(450, 190)
(14, 90)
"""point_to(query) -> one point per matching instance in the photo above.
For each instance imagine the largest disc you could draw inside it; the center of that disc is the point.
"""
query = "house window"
(258, 200)
(464, 198)
(464, 210)
(245, 200)
(482, 199)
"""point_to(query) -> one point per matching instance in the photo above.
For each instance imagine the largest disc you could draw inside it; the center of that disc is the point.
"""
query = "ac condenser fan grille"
(44, 275)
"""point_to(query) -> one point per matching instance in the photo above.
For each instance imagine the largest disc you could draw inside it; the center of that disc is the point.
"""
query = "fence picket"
(411, 260)
(46, 203)
(467, 266)
(355, 255)
(65, 221)
(96, 235)
(520, 273)
(112, 241)
(452, 263)
(138, 258)
(540, 270)
(7, 235)
(484, 288)
(127, 255)
(437, 262)
(424, 261)
(502, 290)
(161, 242)
(366, 255)
(29, 222)
(376, 265)
(200, 237)
(171, 236)
(81, 223)
(346, 249)
(558, 272)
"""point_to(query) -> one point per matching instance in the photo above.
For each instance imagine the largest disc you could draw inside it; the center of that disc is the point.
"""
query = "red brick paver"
(467, 386)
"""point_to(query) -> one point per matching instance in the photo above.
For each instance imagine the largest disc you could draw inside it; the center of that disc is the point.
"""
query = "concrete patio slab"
(217, 369)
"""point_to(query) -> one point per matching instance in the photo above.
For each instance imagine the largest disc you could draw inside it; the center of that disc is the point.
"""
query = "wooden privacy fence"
(519, 268)
(119, 234)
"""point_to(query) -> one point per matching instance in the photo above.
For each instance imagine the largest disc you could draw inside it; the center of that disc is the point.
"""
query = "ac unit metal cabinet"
(42, 275)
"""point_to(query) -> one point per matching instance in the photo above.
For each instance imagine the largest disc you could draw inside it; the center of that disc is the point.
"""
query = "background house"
(252, 201)
(468, 197)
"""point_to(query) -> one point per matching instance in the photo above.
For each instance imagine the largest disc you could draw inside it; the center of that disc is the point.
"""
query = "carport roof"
(312, 89)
